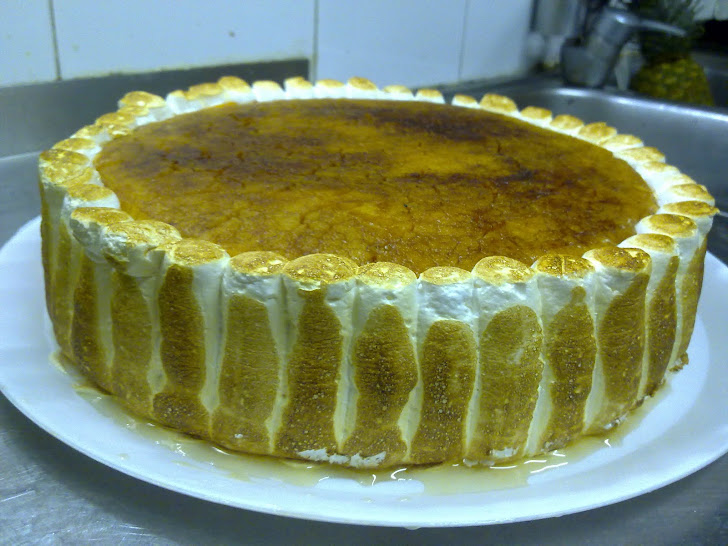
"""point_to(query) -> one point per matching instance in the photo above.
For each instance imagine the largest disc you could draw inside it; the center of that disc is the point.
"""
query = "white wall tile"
(409, 42)
(495, 38)
(414, 42)
(26, 42)
(98, 37)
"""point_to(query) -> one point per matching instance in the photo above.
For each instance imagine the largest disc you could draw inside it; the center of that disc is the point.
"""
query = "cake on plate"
(369, 277)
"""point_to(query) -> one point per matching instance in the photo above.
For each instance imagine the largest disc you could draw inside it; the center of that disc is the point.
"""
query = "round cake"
(369, 277)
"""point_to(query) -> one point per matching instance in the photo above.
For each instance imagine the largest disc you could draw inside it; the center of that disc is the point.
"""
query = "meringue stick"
(253, 344)
(189, 318)
(383, 363)
(660, 308)
(57, 169)
(621, 277)
(566, 284)
(317, 286)
(448, 360)
(510, 342)
(90, 336)
(685, 233)
(69, 257)
(133, 249)
(702, 214)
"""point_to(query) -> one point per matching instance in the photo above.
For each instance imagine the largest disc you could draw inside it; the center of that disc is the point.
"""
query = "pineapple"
(669, 71)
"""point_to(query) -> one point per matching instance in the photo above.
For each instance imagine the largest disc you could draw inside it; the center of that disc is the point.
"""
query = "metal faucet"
(589, 61)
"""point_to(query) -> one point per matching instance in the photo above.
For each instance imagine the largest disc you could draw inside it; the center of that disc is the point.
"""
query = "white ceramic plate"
(685, 428)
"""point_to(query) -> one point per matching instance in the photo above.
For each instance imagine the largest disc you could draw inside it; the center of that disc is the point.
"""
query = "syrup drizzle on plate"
(402, 481)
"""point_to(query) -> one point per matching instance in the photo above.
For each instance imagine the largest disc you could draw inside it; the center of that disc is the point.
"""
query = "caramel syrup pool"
(443, 479)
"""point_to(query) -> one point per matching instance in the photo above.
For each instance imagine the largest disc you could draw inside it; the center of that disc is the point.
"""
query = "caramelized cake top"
(414, 183)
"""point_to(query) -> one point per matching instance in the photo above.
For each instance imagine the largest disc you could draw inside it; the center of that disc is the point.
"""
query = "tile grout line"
(56, 56)
(313, 68)
(461, 60)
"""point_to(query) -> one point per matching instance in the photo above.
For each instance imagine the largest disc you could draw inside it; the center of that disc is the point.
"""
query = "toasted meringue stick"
(684, 190)
(197, 97)
(597, 132)
(702, 214)
(90, 336)
(298, 87)
(189, 318)
(510, 340)
(465, 101)
(429, 95)
(640, 157)
(689, 274)
(142, 99)
(566, 285)
(564, 123)
(498, 104)
(236, 90)
(361, 88)
(448, 361)
(253, 338)
(536, 115)
(617, 143)
(266, 90)
(622, 276)
(660, 307)
(329, 89)
(319, 294)
(383, 362)
(57, 169)
(136, 368)
(397, 92)
(699, 211)
(68, 257)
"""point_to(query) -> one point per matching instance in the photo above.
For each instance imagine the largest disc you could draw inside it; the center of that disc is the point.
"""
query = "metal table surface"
(52, 494)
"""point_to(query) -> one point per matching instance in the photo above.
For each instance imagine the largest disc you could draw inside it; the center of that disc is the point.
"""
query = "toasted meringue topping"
(566, 123)
(498, 104)
(58, 165)
(258, 263)
(563, 266)
(320, 268)
(465, 100)
(643, 155)
(539, 116)
(191, 252)
(632, 260)
(597, 132)
(429, 95)
(653, 241)
(231, 83)
(444, 275)
(668, 224)
(500, 270)
(618, 143)
(691, 209)
(385, 274)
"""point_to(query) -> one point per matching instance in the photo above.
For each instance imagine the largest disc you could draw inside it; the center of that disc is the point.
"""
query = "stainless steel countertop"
(51, 494)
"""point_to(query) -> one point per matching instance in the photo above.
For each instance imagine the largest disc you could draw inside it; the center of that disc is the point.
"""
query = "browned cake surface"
(408, 182)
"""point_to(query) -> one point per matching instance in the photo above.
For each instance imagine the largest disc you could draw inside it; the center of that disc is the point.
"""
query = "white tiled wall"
(26, 42)
(414, 42)
(96, 37)
(494, 38)
(409, 41)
